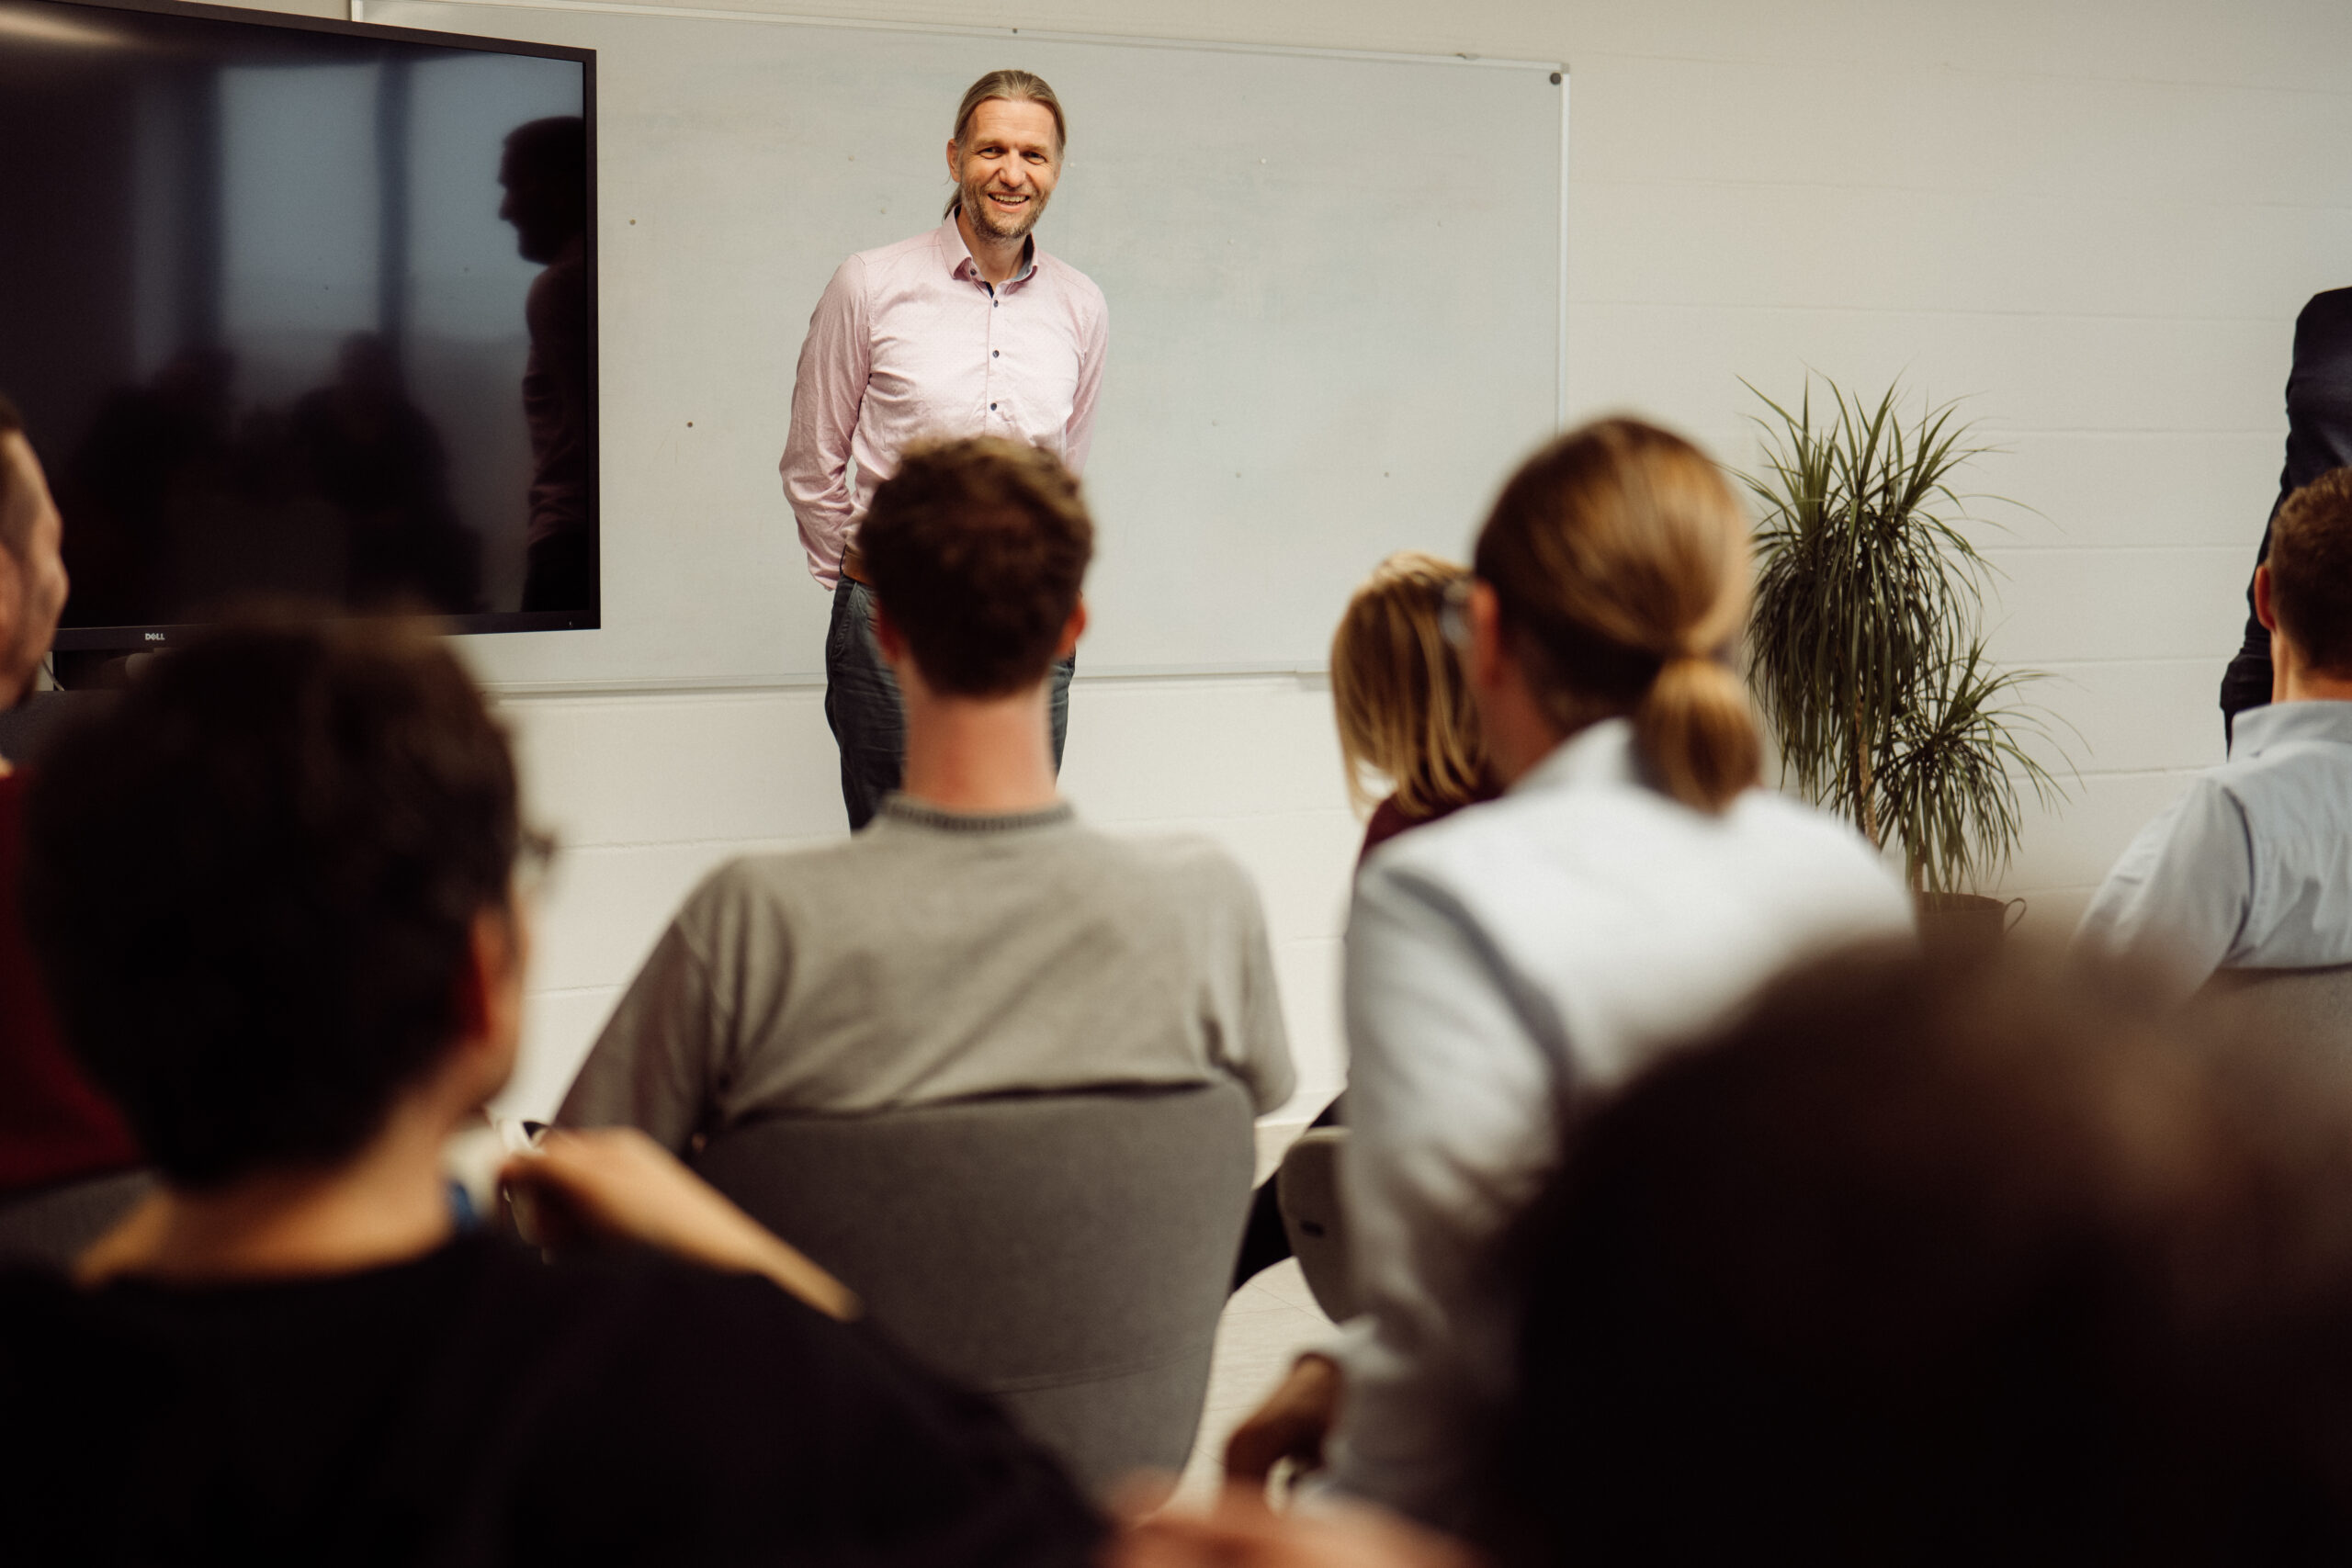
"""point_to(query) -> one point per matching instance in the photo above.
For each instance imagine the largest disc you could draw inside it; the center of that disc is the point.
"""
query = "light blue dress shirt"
(2251, 869)
(1503, 967)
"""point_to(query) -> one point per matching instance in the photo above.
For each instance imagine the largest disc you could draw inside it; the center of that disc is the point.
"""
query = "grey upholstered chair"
(1068, 1252)
(52, 1226)
(2314, 1003)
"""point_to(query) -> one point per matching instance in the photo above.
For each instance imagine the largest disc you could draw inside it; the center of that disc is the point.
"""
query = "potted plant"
(1864, 650)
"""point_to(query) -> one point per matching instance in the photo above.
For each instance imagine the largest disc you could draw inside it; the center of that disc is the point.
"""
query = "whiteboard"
(1336, 295)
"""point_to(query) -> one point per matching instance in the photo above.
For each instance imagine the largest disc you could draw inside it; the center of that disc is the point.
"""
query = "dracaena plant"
(1864, 650)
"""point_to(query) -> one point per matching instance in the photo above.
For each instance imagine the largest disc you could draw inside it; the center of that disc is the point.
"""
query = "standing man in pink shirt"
(968, 330)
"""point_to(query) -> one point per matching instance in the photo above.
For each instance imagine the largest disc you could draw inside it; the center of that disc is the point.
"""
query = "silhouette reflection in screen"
(155, 456)
(371, 452)
(545, 172)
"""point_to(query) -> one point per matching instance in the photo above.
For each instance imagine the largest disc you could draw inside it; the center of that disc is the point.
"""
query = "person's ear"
(2262, 609)
(1488, 659)
(1073, 629)
(887, 635)
(489, 991)
(15, 603)
(955, 167)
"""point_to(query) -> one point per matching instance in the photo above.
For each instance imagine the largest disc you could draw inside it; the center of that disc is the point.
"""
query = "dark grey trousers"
(869, 721)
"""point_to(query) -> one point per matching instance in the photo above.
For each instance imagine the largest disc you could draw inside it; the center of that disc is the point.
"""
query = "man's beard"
(976, 207)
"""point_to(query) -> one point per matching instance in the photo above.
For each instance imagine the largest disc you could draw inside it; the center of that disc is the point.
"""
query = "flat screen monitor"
(300, 308)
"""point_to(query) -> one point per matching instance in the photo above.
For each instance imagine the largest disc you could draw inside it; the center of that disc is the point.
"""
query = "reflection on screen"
(298, 312)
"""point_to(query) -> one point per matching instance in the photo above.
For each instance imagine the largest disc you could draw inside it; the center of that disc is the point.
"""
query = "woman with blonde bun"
(1509, 966)
(1405, 712)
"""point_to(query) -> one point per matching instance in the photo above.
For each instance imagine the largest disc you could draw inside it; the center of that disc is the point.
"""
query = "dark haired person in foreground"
(1521, 959)
(975, 938)
(2252, 868)
(274, 891)
(55, 1129)
(1918, 1265)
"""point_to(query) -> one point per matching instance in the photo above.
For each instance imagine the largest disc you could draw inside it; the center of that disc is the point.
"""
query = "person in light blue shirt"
(2252, 869)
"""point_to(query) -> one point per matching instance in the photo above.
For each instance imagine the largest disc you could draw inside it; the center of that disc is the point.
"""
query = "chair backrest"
(1307, 1189)
(2314, 1003)
(1069, 1253)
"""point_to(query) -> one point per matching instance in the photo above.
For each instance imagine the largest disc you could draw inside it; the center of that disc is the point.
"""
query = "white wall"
(2098, 220)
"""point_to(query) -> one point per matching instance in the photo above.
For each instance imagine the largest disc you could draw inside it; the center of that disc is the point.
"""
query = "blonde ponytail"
(1695, 732)
(1620, 558)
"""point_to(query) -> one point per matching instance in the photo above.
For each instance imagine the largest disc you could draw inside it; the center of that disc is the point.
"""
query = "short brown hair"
(978, 548)
(1620, 557)
(1404, 709)
(252, 884)
(2311, 570)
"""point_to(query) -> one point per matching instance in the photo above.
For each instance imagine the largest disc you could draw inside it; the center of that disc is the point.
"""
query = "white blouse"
(1503, 967)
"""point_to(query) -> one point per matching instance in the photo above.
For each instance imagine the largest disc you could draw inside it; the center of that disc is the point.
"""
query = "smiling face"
(1006, 163)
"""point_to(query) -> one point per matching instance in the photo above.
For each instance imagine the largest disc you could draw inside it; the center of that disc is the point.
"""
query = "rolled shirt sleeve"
(2180, 896)
(827, 391)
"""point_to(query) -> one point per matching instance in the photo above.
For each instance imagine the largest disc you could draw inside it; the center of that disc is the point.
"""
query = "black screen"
(300, 308)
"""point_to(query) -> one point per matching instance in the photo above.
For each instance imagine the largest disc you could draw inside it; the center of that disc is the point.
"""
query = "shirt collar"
(2257, 730)
(1601, 753)
(901, 807)
(958, 255)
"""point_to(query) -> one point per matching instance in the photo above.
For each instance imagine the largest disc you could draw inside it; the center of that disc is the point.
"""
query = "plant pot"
(1963, 924)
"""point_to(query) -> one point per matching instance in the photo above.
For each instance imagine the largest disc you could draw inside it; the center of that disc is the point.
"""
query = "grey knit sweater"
(937, 956)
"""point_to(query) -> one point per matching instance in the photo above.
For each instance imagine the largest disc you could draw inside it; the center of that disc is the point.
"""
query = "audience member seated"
(2252, 869)
(272, 891)
(1525, 958)
(1405, 715)
(1406, 718)
(1936, 1265)
(975, 938)
(54, 1127)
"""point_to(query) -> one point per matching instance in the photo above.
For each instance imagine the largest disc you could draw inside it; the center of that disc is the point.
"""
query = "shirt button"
(991, 407)
(996, 354)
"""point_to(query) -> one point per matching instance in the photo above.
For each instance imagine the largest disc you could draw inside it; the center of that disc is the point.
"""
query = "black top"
(2319, 438)
(476, 1407)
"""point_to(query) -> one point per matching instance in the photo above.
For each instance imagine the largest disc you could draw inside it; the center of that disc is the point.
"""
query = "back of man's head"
(252, 883)
(977, 549)
(2311, 572)
(1920, 1264)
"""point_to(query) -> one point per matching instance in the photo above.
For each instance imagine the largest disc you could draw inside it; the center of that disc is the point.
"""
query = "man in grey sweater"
(975, 938)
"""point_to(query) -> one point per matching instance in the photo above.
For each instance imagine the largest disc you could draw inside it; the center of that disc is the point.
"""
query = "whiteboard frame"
(1318, 669)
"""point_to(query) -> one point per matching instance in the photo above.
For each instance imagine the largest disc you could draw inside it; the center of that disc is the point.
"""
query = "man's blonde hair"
(1404, 709)
(1014, 87)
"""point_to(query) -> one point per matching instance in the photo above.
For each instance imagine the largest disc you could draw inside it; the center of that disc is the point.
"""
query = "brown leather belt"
(853, 566)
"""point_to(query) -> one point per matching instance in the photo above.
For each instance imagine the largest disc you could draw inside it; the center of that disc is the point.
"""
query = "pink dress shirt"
(909, 342)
